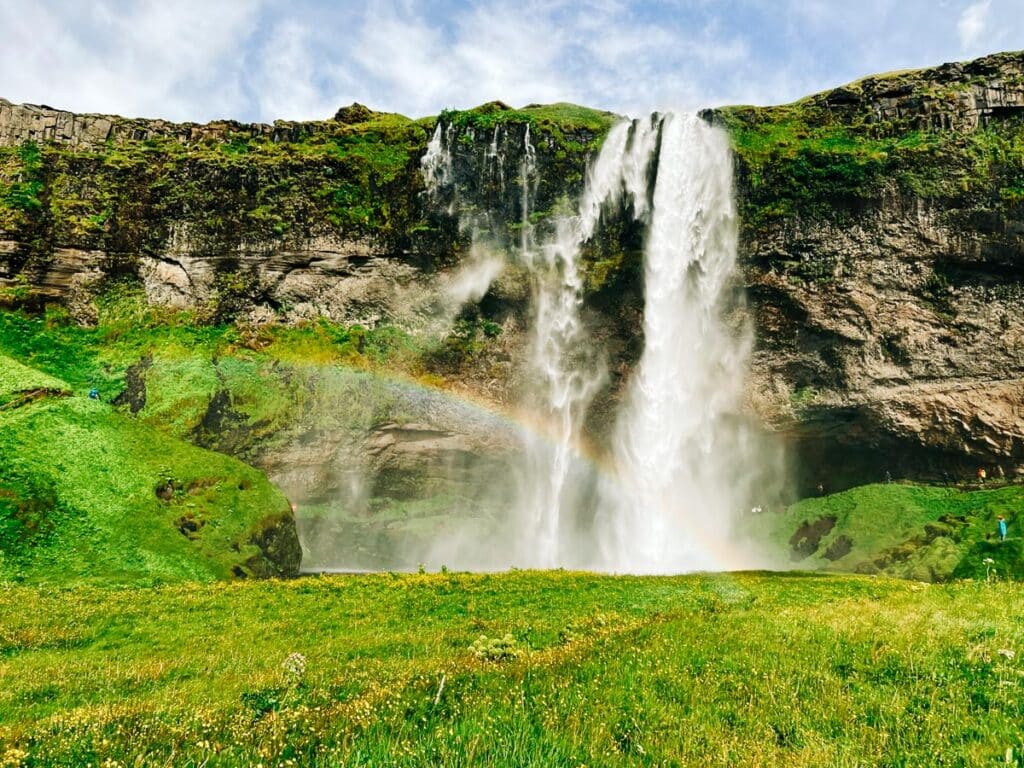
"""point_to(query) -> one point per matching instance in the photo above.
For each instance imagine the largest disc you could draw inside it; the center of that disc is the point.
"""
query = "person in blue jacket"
(1002, 528)
(94, 394)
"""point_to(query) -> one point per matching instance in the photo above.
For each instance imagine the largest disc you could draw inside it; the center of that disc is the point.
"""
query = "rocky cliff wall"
(882, 244)
(884, 247)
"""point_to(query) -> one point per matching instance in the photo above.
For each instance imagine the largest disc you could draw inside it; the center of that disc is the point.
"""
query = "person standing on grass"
(1002, 528)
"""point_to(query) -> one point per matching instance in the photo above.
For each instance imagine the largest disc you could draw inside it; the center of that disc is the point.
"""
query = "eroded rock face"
(40, 123)
(351, 281)
(955, 96)
(905, 346)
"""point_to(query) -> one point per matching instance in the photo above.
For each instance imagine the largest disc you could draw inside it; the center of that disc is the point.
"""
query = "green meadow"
(749, 669)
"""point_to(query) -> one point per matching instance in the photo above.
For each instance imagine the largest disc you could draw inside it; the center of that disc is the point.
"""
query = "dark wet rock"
(134, 393)
(280, 551)
(806, 539)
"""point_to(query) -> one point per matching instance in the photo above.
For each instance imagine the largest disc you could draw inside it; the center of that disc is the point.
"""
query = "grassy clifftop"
(953, 134)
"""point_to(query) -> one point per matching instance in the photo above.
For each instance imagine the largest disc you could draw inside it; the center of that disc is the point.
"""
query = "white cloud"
(285, 80)
(179, 60)
(973, 23)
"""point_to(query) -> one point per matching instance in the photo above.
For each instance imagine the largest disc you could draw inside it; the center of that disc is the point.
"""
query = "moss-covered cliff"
(883, 238)
(882, 244)
(84, 197)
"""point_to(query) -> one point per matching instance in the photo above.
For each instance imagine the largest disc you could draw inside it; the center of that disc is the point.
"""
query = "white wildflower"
(294, 666)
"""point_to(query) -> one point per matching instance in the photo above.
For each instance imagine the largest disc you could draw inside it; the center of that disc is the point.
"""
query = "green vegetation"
(129, 331)
(588, 670)
(828, 155)
(918, 532)
(18, 381)
(87, 494)
(560, 120)
(795, 163)
(227, 185)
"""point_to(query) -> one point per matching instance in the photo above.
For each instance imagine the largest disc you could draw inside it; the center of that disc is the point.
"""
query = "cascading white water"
(565, 376)
(679, 478)
(437, 161)
(674, 491)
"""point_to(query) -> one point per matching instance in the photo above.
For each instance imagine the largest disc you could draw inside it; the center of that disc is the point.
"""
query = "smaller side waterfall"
(436, 164)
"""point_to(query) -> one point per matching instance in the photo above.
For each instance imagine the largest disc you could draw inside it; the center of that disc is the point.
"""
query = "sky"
(260, 60)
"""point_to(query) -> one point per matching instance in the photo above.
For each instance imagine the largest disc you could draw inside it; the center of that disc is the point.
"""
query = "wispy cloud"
(152, 58)
(267, 59)
(973, 22)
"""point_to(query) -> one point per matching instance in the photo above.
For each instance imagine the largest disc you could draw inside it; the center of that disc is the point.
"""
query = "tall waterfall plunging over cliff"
(679, 469)
(677, 456)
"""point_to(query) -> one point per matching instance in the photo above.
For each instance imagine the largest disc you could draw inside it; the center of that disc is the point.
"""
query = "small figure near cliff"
(982, 474)
(1002, 528)
(888, 477)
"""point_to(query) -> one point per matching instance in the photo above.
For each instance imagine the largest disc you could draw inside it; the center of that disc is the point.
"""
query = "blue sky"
(301, 59)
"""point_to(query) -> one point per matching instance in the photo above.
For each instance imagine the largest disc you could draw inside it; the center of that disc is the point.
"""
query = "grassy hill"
(918, 532)
(587, 670)
(90, 494)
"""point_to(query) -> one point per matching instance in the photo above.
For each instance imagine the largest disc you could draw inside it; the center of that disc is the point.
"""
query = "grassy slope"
(128, 331)
(78, 496)
(919, 532)
(17, 380)
(612, 671)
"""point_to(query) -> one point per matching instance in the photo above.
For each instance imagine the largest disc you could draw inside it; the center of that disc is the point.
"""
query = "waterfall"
(676, 451)
(566, 376)
(675, 446)
(437, 162)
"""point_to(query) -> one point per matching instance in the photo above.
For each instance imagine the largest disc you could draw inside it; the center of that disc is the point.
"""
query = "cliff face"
(882, 244)
(884, 247)
(304, 219)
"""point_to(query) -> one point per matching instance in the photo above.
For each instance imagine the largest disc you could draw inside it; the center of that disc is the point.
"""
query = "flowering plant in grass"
(495, 648)
(294, 667)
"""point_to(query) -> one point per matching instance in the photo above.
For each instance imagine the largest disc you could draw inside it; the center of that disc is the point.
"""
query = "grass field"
(737, 670)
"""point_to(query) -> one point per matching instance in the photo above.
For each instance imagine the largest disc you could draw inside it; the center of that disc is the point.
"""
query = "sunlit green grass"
(748, 669)
(920, 532)
(88, 493)
(17, 380)
(80, 500)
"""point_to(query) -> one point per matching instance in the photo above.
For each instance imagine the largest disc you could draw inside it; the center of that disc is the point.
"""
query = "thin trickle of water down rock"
(678, 459)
